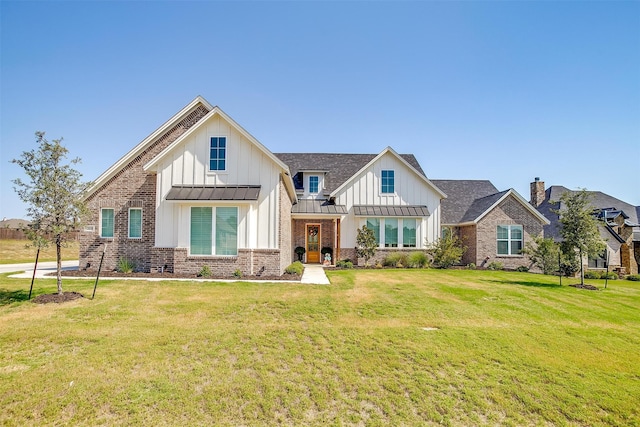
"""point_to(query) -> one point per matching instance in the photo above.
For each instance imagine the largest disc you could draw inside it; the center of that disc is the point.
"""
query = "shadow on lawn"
(8, 297)
(533, 283)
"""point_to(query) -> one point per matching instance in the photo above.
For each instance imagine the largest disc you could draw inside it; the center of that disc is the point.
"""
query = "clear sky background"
(504, 91)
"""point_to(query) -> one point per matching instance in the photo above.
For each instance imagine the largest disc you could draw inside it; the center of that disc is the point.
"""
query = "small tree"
(579, 227)
(366, 244)
(543, 253)
(446, 251)
(53, 193)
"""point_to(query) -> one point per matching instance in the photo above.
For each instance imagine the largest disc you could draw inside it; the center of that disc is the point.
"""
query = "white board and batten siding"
(410, 189)
(246, 164)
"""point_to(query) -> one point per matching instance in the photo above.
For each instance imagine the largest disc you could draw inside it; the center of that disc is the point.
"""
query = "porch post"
(337, 241)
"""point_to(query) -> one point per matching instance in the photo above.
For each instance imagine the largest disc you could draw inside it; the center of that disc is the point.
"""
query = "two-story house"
(200, 190)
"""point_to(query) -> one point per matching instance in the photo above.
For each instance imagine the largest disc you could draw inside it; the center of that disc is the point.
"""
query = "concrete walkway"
(313, 273)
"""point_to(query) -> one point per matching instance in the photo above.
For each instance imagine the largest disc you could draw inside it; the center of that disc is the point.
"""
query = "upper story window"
(107, 220)
(388, 182)
(314, 180)
(218, 153)
(510, 239)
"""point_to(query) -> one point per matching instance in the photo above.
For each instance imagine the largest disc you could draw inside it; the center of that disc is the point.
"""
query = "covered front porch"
(316, 229)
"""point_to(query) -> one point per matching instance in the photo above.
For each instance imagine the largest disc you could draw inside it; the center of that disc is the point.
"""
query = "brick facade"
(508, 212)
(130, 187)
(285, 231)
(327, 235)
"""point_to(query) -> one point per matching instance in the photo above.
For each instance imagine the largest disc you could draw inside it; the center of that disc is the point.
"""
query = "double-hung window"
(510, 239)
(313, 184)
(218, 153)
(214, 233)
(135, 223)
(107, 221)
(387, 182)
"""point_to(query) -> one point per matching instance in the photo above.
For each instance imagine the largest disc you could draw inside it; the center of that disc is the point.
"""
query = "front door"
(313, 243)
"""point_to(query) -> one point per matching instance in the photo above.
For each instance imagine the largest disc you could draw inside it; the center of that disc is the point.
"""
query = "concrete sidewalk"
(313, 273)
(26, 270)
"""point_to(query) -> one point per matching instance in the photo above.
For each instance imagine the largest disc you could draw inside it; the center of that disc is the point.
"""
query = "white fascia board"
(520, 199)
(218, 111)
(124, 160)
(403, 161)
(319, 217)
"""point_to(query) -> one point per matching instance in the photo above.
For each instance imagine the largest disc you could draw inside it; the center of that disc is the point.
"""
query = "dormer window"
(313, 184)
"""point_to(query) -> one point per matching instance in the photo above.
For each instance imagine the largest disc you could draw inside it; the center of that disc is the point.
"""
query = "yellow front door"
(313, 243)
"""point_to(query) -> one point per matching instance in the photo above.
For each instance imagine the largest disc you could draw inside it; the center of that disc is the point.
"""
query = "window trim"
(217, 159)
(214, 228)
(510, 240)
(129, 223)
(317, 184)
(383, 179)
(382, 235)
(113, 223)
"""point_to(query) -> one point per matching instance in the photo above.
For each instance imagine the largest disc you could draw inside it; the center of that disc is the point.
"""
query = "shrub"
(495, 265)
(205, 271)
(471, 266)
(446, 251)
(522, 269)
(633, 277)
(592, 274)
(237, 274)
(395, 259)
(295, 268)
(609, 276)
(125, 265)
(417, 259)
(344, 263)
(366, 244)
(300, 252)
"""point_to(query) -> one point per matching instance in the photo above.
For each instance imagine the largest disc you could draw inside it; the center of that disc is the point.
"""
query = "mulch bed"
(166, 275)
(57, 298)
(588, 287)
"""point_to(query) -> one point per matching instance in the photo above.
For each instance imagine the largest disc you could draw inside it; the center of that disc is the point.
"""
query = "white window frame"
(318, 184)
(400, 219)
(113, 228)
(382, 192)
(129, 223)
(509, 239)
(214, 227)
(226, 154)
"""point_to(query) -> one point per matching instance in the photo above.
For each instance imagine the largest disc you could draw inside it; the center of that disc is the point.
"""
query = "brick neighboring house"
(619, 227)
(200, 190)
(493, 225)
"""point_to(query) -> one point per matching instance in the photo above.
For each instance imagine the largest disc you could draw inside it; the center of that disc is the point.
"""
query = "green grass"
(20, 251)
(510, 349)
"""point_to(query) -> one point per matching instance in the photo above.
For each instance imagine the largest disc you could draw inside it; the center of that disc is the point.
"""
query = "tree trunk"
(581, 269)
(59, 263)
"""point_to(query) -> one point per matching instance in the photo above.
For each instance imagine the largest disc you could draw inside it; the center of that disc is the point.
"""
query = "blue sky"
(505, 91)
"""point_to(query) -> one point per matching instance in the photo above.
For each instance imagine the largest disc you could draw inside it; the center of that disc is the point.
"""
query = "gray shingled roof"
(306, 206)
(220, 192)
(464, 198)
(480, 206)
(339, 167)
(599, 200)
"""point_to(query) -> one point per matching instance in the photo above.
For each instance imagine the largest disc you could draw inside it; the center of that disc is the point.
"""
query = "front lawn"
(21, 251)
(377, 347)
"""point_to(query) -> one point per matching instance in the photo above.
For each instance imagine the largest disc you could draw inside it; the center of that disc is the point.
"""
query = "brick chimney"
(537, 192)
